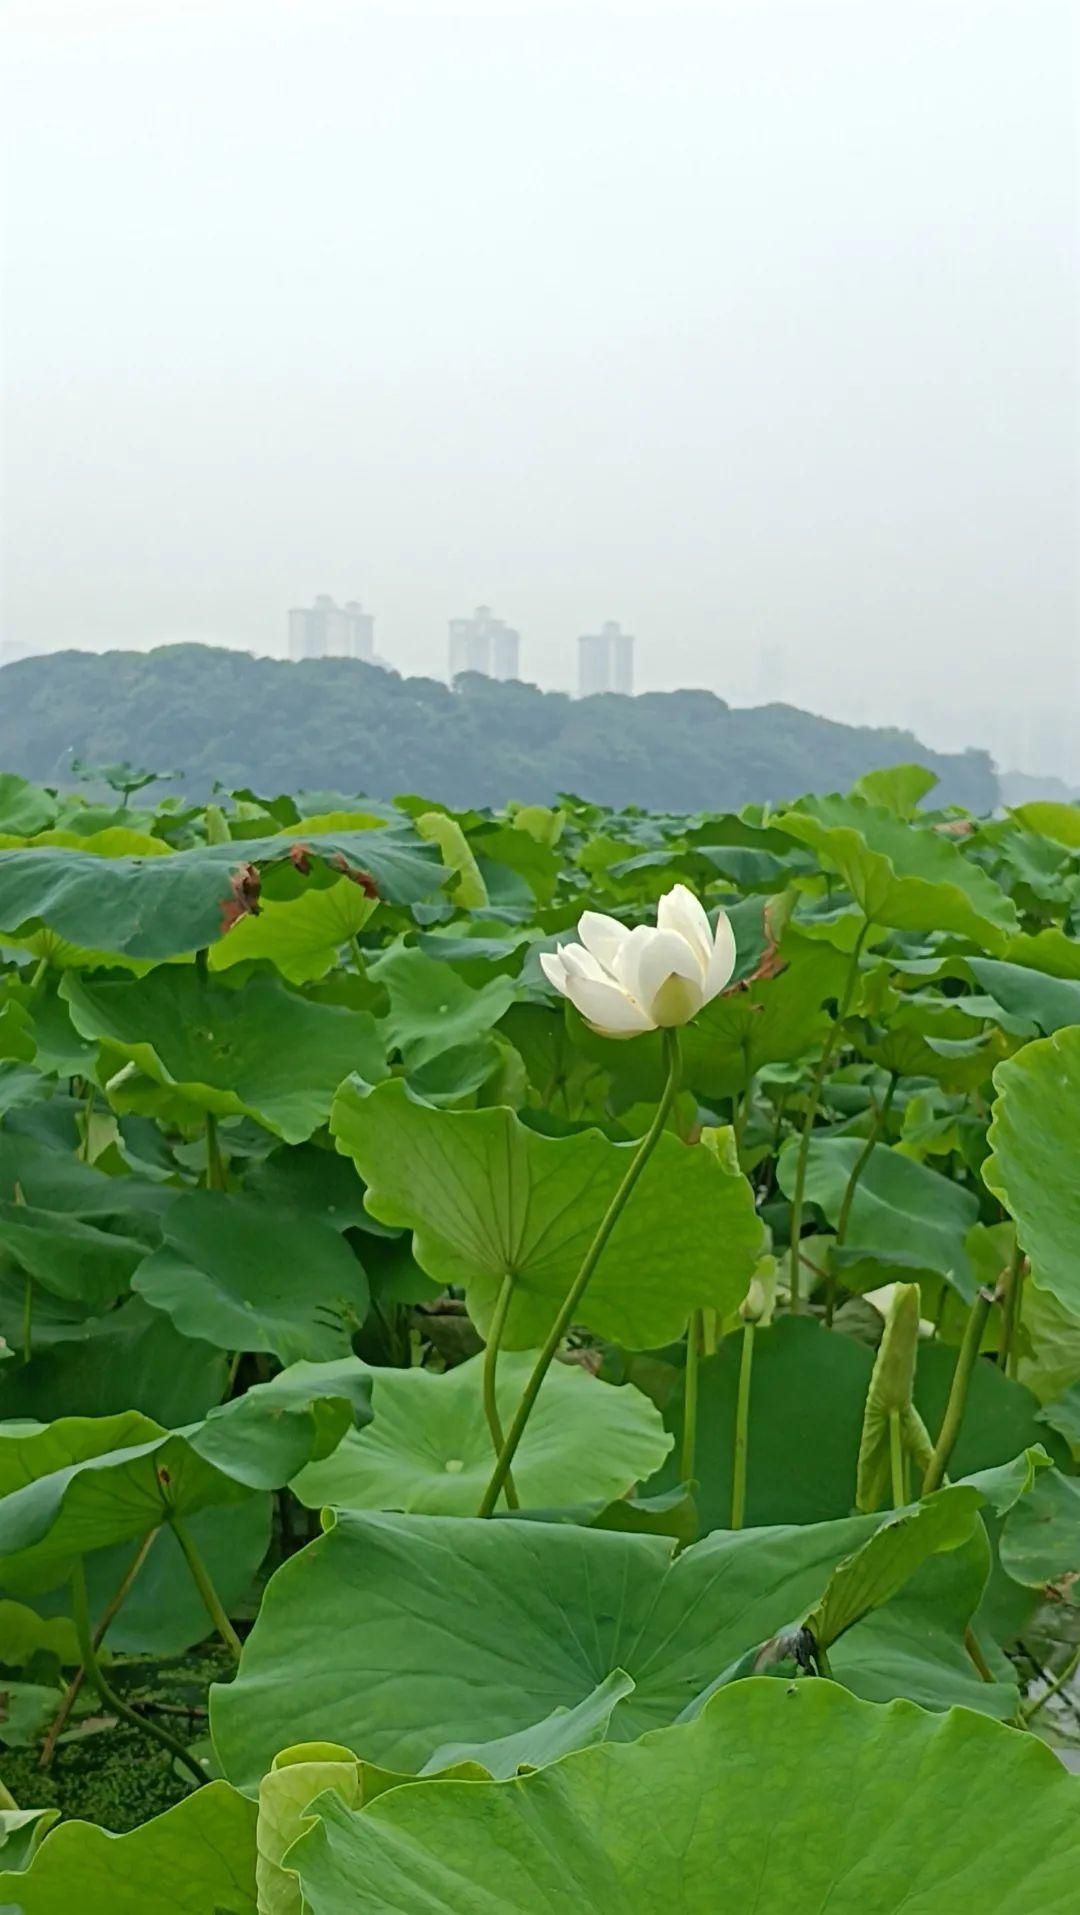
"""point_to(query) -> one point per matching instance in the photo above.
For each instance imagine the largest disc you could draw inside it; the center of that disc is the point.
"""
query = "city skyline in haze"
(755, 325)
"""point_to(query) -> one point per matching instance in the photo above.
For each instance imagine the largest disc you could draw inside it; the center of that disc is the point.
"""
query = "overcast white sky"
(752, 324)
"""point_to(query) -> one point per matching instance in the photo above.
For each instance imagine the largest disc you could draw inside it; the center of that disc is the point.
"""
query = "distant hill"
(1024, 788)
(214, 715)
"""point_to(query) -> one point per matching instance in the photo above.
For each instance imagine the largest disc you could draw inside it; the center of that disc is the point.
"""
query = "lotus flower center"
(676, 1002)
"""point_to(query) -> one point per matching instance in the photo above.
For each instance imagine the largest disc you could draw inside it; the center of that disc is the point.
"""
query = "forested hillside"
(208, 714)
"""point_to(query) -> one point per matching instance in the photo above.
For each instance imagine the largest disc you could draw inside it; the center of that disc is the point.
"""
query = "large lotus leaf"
(297, 1775)
(778, 1797)
(24, 1634)
(1050, 820)
(1041, 1543)
(806, 1409)
(301, 936)
(162, 907)
(1049, 1345)
(21, 1833)
(1051, 950)
(83, 1484)
(262, 1052)
(904, 1213)
(910, 879)
(486, 1196)
(1032, 1166)
(351, 1642)
(431, 1009)
(771, 1021)
(428, 1446)
(867, 1579)
(900, 788)
(49, 1179)
(243, 1276)
(24, 808)
(196, 1859)
(561, 1732)
(439, 828)
(1049, 1003)
(67, 1257)
(132, 1358)
(307, 1180)
(163, 1614)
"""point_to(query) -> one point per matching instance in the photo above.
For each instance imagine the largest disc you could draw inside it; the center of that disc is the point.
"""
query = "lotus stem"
(108, 1615)
(114, 1703)
(690, 1395)
(708, 1333)
(742, 1427)
(491, 1404)
(88, 1114)
(881, 1116)
(817, 1086)
(215, 1168)
(572, 1300)
(1010, 1310)
(28, 1320)
(954, 1408)
(1064, 1675)
(743, 1105)
(203, 1581)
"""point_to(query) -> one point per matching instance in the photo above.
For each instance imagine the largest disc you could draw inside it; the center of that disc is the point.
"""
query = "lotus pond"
(499, 1417)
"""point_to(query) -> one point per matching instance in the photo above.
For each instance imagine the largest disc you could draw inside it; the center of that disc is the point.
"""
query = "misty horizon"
(754, 328)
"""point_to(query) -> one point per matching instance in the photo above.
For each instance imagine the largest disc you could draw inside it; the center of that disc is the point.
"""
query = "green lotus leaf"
(428, 1446)
(302, 937)
(262, 1052)
(309, 1181)
(432, 1010)
(131, 1358)
(83, 1484)
(900, 788)
(563, 1731)
(485, 1196)
(68, 1257)
(163, 1614)
(21, 1834)
(909, 879)
(540, 1614)
(775, 1020)
(162, 907)
(1032, 1161)
(24, 808)
(242, 1276)
(469, 890)
(1064, 1416)
(904, 1213)
(196, 1859)
(1041, 1543)
(687, 1820)
(1049, 1003)
(23, 1634)
(806, 1415)
(1050, 820)
(868, 1578)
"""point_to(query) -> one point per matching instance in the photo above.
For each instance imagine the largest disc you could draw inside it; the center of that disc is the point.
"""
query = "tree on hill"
(210, 715)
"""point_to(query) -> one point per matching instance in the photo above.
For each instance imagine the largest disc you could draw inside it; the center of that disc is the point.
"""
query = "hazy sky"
(754, 325)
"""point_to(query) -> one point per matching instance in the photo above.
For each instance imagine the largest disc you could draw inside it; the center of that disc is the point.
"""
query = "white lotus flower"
(652, 977)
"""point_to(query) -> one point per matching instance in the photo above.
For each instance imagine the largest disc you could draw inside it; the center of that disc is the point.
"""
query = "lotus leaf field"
(461, 1459)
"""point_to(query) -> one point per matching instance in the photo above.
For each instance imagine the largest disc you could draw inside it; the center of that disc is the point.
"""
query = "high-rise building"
(606, 661)
(326, 630)
(485, 644)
